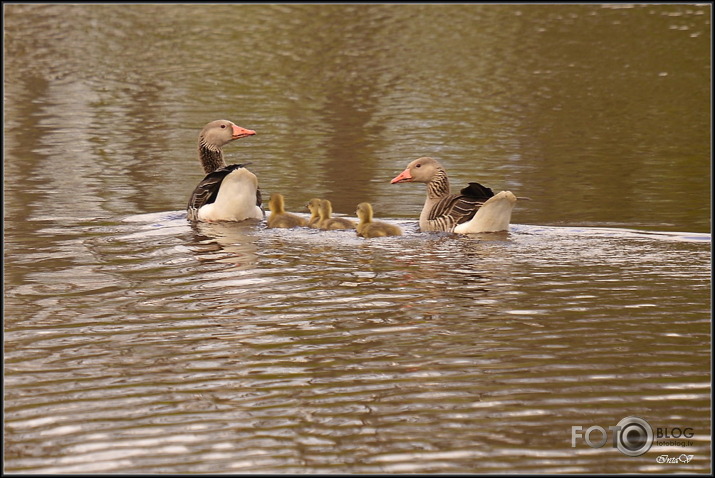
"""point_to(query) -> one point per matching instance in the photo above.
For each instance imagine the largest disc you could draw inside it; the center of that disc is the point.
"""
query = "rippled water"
(136, 342)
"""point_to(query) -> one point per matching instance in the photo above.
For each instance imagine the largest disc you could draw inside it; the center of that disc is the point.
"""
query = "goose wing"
(207, 190)
(463, 206)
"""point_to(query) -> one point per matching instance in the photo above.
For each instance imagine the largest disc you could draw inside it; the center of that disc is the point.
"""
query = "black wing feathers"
(207, 190)
(477, 191)
(462, 207)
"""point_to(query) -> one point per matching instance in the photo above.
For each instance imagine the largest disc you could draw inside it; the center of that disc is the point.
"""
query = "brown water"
(137, 343)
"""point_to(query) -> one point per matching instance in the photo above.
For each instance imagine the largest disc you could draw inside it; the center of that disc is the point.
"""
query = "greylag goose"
(314, 208)
(370, 228)
(328, 222)
(474, 209)
(227, 193)
(279, 217)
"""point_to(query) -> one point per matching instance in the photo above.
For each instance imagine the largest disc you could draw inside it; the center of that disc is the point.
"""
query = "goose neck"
(211, 158)
(439, 185)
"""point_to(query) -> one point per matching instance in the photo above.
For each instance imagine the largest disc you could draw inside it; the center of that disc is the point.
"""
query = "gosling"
(279, 217)
(314, 208)
(330, 223)
(370, 228)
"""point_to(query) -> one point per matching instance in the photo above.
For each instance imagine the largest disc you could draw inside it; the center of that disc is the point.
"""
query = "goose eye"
(223, 125)
(417, 165)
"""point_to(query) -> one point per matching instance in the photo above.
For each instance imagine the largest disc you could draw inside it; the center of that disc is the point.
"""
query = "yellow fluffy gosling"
(314, 208)
(279, 217)
(370, 228)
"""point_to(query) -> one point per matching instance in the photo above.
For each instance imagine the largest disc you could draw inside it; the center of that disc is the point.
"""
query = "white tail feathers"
(493, 216)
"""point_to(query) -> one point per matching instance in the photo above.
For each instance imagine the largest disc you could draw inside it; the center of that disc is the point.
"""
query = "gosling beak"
(403, 177)
(239, 132)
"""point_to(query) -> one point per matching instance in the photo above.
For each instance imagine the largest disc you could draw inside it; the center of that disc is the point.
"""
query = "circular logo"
(634, 436)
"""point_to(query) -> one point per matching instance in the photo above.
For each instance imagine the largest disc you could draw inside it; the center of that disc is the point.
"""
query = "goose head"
(213, 137)
(218, 133)
(421, 170)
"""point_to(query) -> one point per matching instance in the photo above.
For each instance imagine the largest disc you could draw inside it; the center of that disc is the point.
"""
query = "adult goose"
(227, 193)
(328, 222)
(475, 209)
(279, 217)
(370, 228)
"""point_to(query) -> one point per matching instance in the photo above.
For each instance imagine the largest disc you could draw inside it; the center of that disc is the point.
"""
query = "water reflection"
(235, 242)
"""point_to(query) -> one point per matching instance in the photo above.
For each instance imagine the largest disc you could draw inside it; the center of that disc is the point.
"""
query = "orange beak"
(403, 177)
(239, 132)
